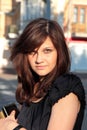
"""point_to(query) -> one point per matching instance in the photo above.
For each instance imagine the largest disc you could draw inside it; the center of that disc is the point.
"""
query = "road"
(8, 84)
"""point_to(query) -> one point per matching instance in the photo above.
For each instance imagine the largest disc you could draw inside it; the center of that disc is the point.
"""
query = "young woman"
(52, 98)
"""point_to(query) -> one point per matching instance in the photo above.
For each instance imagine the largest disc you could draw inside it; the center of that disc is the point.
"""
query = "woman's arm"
(64, 113)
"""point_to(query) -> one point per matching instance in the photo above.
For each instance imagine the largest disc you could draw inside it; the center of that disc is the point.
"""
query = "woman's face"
(43, 59)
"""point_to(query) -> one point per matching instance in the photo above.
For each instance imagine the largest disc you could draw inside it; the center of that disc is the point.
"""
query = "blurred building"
(9, 26)
(70, 14)
(50, 9)
(75, 28)
(9, 17)
(30, 9)
(75, 19)
(16, 14)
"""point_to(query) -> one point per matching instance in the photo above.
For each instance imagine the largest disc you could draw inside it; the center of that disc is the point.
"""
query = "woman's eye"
(33, 53)
(47, 50)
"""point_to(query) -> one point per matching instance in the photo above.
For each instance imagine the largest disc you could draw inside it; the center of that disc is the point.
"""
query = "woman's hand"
(8, 123)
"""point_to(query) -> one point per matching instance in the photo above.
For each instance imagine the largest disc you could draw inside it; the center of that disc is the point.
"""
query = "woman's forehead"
(46, 43)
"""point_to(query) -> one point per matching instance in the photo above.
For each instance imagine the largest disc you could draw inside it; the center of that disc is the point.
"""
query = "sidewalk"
(8, 84)
(83, 77)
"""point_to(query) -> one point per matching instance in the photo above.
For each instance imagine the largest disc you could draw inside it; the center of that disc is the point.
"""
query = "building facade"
(16, 14)
(9, 17)
(30, 9)
(75, 19)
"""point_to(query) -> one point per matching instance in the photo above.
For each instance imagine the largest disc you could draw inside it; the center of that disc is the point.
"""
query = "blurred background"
(70, 14)
(16, 14)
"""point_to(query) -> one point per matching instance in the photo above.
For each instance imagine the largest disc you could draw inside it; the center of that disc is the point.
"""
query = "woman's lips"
(40, 67)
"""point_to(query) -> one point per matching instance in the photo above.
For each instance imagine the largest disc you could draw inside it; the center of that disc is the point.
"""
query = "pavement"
(8, 85)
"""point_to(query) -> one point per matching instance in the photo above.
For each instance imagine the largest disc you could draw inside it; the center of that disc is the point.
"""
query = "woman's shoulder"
(67, 77)
(64, 85)
(67, 81)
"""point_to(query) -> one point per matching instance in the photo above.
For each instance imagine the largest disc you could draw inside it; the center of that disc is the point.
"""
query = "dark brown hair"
(32, 37)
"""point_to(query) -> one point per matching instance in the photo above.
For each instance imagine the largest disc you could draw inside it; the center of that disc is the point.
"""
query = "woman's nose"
(39, 58)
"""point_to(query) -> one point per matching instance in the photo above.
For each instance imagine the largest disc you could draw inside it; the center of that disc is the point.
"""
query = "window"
(75, 18)
(82, 15)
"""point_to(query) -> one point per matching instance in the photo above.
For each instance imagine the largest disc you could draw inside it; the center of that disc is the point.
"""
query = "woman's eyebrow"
(48, 48)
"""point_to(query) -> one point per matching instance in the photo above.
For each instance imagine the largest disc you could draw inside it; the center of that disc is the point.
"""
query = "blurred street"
(8, 84)
(16, 14)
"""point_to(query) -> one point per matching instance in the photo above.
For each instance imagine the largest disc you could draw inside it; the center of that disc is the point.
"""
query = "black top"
(37, 115)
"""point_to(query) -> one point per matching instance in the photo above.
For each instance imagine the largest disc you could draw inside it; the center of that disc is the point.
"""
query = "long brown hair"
(32, 37)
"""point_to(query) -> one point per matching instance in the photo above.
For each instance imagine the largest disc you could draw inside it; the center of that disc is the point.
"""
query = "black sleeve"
(64, 85)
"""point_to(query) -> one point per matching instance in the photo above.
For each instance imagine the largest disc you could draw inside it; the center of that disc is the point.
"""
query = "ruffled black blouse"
(36, 115)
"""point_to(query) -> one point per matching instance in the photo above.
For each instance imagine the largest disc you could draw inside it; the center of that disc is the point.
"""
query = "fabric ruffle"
(64, 85)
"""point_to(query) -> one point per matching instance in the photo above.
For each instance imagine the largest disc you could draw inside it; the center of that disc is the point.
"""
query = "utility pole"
(69, 21)
(47, 9)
